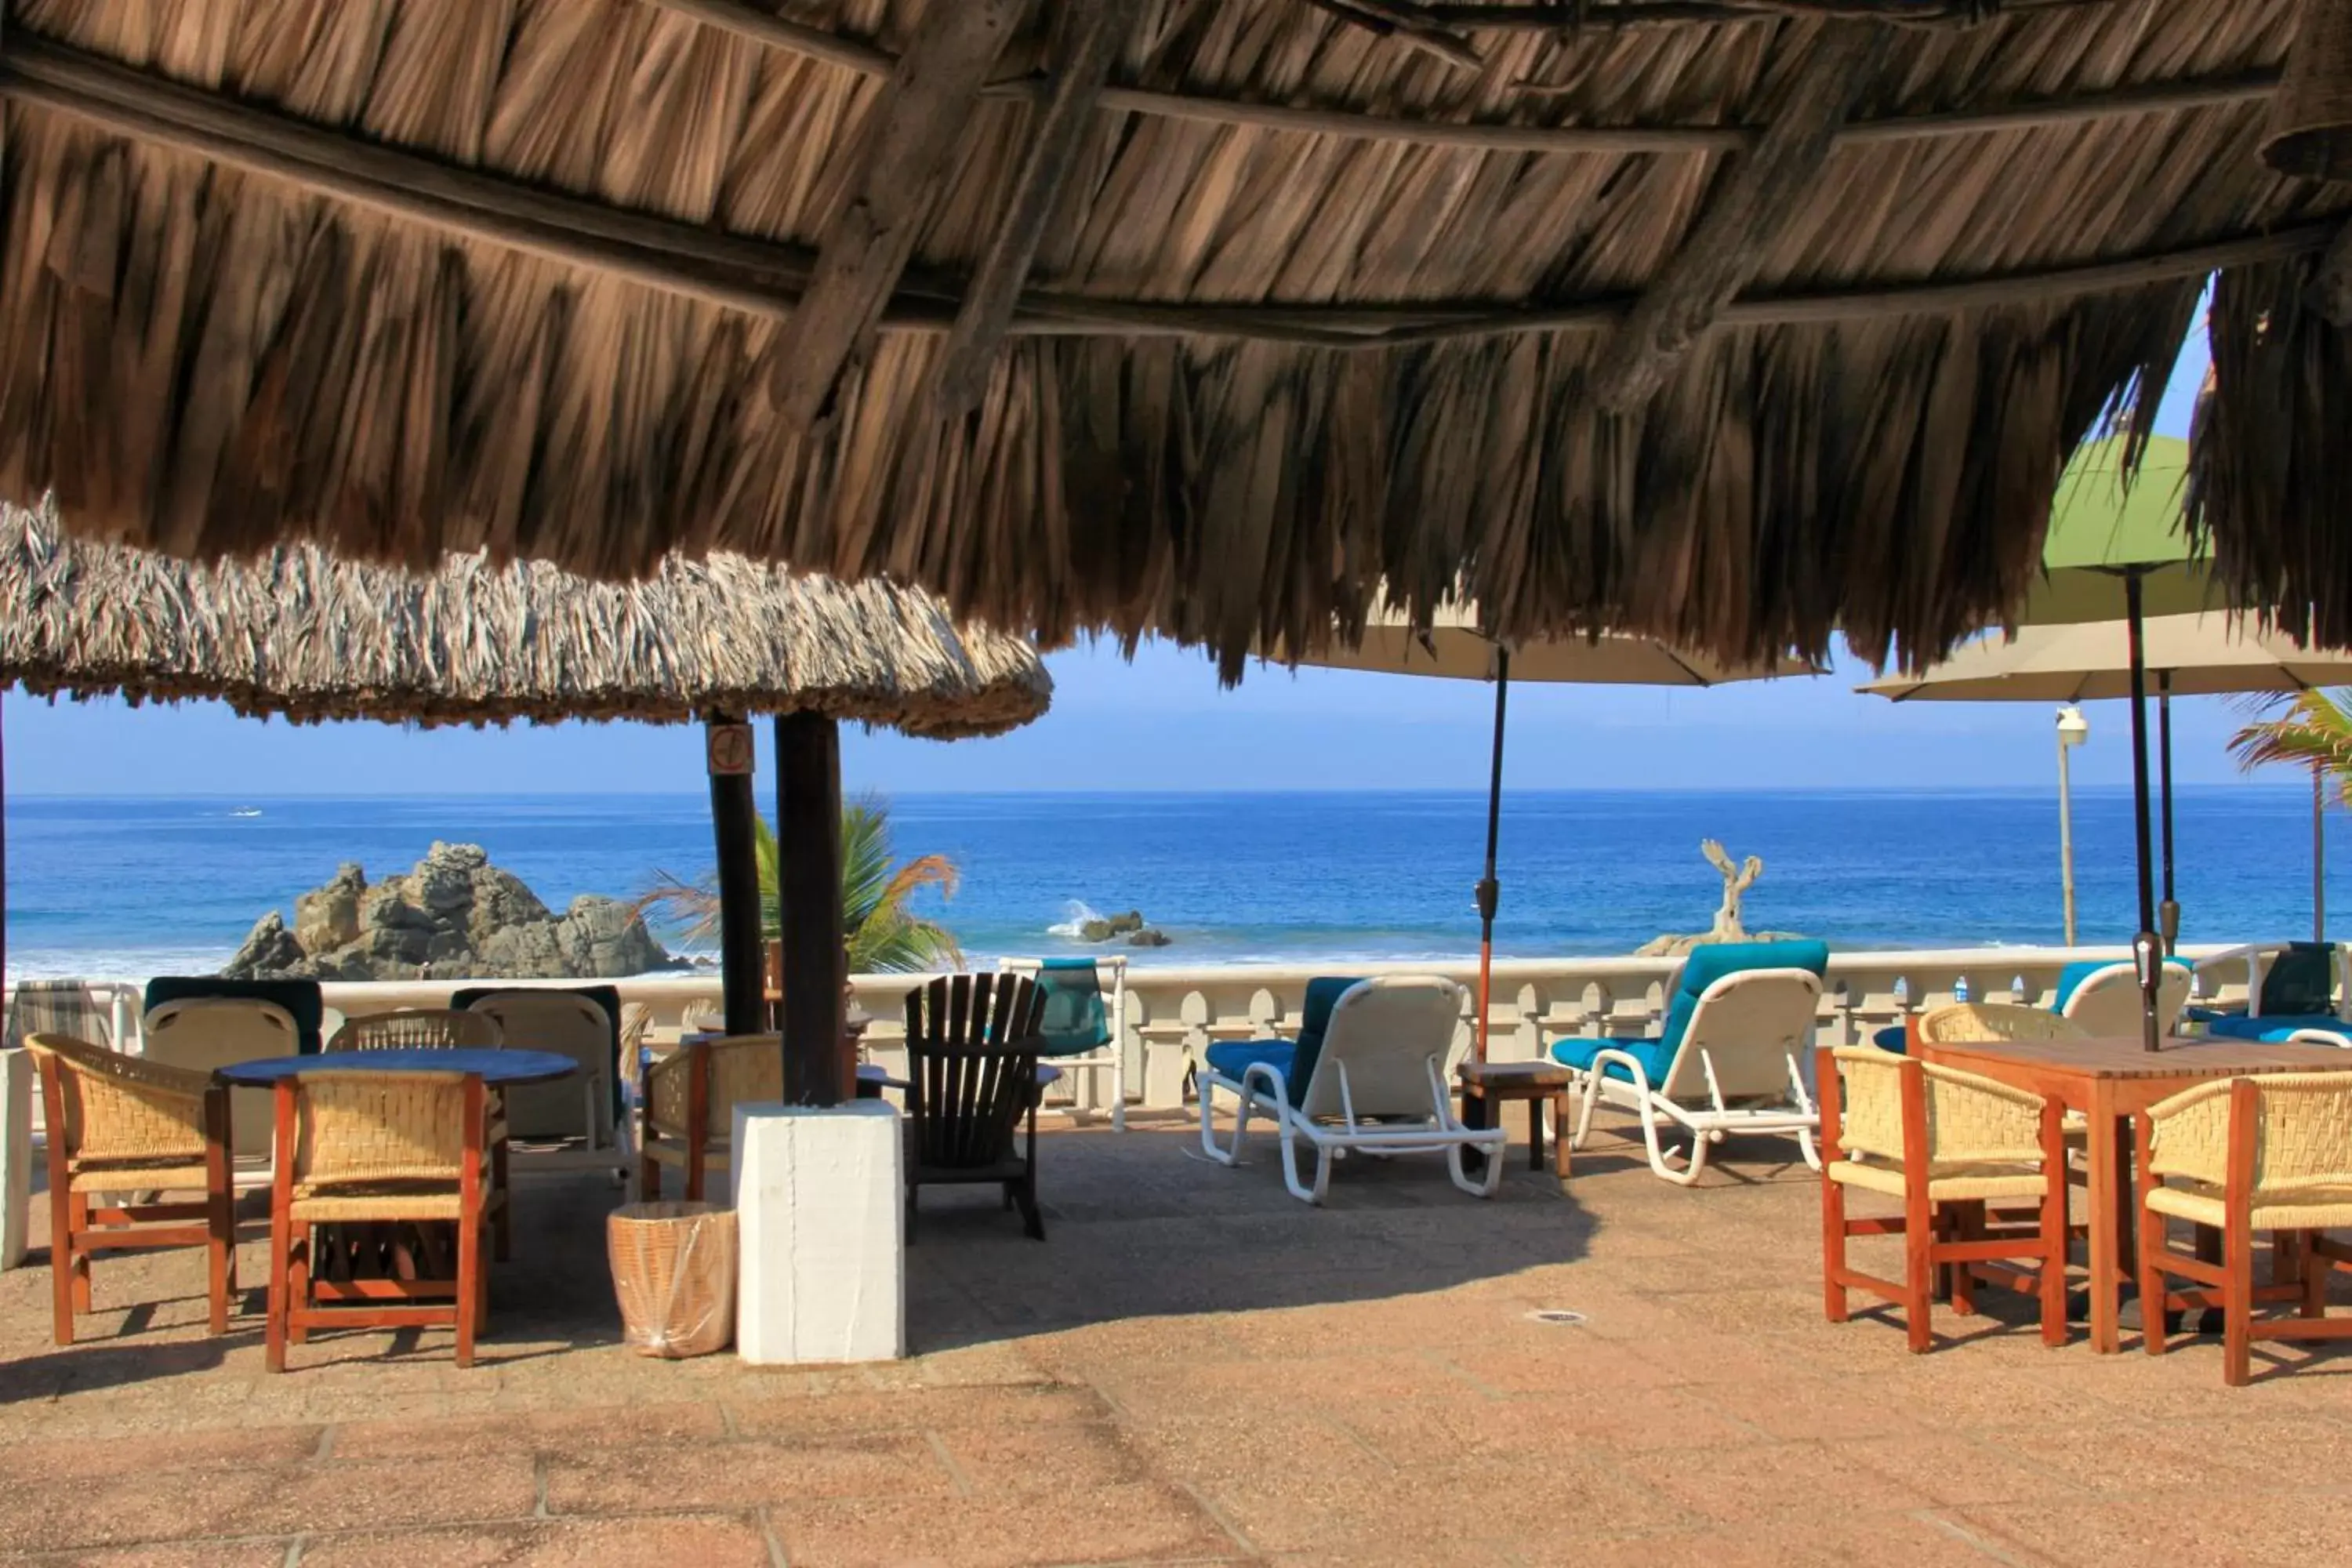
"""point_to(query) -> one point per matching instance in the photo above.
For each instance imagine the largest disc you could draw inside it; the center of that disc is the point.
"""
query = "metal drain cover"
(1559, 1316)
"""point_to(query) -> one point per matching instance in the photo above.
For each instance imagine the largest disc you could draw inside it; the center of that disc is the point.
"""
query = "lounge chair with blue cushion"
(1740, 1021)
(1084, 1028)
(2104, 996)
(2292, 996)
(1366, 1075)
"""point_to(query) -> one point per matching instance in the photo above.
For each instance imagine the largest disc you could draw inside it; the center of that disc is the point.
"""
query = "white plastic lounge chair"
(1741, 1020)
(1086, 1020)
(2105, 997)
(572, 1023)
(202, 1033)
(1371, 1080)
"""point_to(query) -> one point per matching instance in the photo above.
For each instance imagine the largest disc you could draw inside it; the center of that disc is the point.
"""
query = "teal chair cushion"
(1298, 1057)
(1655, 1056)
(1232, 1058)
(1075, 1021)
(2271, 1029)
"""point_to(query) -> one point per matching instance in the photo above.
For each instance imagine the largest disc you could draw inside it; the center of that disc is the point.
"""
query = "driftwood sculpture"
(1734, 882)
(1728, 927)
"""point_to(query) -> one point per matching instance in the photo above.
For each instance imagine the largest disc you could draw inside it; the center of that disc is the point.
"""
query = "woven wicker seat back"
(1971, 1120)
(418, 1029)
(125, 1108)
(1966, 1023)
(2302, 1136)
(366, 1127)
(744, 1068)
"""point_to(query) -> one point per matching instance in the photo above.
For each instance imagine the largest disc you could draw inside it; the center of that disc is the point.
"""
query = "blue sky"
(1161, 722)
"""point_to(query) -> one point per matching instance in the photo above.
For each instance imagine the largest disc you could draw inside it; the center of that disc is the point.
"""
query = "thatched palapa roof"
(1726, 321)
(299, 635)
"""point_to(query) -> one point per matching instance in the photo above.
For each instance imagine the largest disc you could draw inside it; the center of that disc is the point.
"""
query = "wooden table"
(2110, 1081)
(1486, 1086)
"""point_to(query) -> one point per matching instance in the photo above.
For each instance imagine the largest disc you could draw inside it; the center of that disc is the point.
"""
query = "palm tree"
(884, 936)
(2314, 730)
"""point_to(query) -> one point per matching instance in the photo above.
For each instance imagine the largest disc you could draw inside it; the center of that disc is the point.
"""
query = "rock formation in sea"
(1130, 926)
(454, 916)
(1728, 927)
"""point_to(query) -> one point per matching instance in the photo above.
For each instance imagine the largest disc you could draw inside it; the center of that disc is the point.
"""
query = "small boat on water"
(246, 811)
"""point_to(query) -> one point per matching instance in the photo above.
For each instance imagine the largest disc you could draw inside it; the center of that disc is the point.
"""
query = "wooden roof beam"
(1607, 14)
(1411, 23)
(1751, 206)
(912, 140)
(1089, 48)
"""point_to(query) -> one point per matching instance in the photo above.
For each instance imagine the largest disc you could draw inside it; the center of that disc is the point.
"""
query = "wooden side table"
(1487, 1086)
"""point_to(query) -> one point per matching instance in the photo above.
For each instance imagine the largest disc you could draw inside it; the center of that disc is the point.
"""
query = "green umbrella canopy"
(2103, 521)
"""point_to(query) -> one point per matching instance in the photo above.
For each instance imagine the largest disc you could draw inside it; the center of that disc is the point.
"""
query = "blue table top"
(496, 1067)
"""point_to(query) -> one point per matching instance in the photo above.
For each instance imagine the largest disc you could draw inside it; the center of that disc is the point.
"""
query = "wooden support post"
(817, 1068)
(1087, 49)
(1751, 206)
(733, 812)
(915, 131)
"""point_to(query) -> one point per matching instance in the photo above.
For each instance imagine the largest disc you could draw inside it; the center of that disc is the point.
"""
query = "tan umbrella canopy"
(300, 635)
(1730, 322)
(1455, 645)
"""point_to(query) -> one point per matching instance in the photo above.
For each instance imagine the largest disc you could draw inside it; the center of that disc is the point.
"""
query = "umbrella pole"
(733, 815)
(2318, 854)
(2148, 948)
(2168, 913)
(1490, 891)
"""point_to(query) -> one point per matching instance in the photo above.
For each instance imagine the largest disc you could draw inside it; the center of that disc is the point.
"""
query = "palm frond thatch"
(299, 635)
(1316, 306)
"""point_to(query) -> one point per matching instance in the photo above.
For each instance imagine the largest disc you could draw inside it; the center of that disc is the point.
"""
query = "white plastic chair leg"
(1229, 1154)
(1299, 1189)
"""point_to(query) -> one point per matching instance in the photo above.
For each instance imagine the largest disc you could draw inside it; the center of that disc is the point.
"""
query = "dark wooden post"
(817, 1068)
(734, 810)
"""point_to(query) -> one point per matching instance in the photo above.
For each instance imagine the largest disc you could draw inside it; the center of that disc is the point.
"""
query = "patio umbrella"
(1453, 645)
(2186, 656)
(299, 635)
(2117, 551)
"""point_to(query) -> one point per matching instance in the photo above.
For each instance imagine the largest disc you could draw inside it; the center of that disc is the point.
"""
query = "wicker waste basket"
(674, 1271)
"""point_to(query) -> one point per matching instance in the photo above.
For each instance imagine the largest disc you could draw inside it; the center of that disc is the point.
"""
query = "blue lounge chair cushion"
(301, 999)
(1297, 1063)
(1895, 1037)
(1232, 1058)
(2071, 978)
(2271, 1029)
(1656, 1058)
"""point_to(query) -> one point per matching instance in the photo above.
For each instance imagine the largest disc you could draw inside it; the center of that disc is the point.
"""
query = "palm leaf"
(2313, 731)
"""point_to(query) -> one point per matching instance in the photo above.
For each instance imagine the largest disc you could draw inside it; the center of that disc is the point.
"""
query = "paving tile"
(1011, 1458)
(743, 1474)
(913, 1409)
(1141, 1523)
(704, 1541)
(37, 1463)
(198, 1555)
(2167, 1528)
(1781, 1481)
(532, 1432)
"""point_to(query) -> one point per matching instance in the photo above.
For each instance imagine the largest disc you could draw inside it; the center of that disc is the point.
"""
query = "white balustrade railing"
(1175, 1012)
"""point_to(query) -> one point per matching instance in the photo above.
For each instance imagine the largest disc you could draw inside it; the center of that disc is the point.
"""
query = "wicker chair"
(372, 1148)
(442, 1029)
(2270, 1153)
(1944, 1142)
(122, 1125)
(688, 1118)
(1969, 1023)
(417, 1029)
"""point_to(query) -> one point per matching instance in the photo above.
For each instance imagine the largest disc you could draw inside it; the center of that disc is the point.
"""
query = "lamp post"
(2072, 731)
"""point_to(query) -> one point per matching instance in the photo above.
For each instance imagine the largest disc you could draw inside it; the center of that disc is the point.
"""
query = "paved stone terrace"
(1194, 1368)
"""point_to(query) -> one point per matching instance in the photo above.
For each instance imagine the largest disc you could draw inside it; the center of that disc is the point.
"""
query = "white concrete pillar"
(820, 1222)
(18, 1084)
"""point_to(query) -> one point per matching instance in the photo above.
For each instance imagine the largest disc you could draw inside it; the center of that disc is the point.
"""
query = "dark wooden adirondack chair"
(972, 1076)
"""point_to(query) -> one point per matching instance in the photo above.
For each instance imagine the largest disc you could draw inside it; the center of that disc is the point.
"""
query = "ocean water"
(122, 887)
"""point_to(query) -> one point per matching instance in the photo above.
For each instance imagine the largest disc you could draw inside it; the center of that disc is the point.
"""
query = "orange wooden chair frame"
(2302, 1260)
(1949, 1240)
(298, 1303)
(77, 1230)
